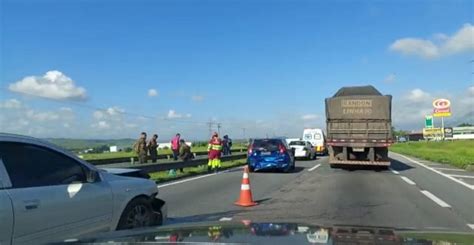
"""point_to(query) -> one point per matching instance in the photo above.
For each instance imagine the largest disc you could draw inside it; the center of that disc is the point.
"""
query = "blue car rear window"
(267, 145)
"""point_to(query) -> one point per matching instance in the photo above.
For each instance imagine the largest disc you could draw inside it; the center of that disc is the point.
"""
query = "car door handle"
(31, 204)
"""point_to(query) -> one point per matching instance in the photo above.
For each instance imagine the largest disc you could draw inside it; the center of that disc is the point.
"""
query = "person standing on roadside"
(175, 146)
(229, 145)
(140, 148)
(185, 153)
(152, 148)
(214, 150)
(224, 146)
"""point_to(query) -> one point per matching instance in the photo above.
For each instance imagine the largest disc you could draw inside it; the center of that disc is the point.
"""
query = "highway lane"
(212, 196)
(329, 196)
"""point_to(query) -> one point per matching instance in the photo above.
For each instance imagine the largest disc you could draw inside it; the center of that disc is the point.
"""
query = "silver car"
(48, 194)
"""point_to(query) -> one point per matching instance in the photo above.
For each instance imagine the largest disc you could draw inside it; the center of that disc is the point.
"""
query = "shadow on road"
(399, 166)
(202, 217)
(260, 201)
(362, 168)
(296, 170)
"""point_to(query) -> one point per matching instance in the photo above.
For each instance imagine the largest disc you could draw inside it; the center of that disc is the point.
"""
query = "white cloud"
(309, 117)
(418, 95)
(109, 113)
(152, 92)
(98, 115)
(390, 78)
(197, 98)
(173, 114)
(101, 125)
(11, 104)
(417, 47)
(53, 84)
(409, 110)
(470, 91)
(42, 116)
(461, 41)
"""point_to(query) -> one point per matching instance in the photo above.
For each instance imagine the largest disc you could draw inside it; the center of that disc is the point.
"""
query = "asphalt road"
(409, 196)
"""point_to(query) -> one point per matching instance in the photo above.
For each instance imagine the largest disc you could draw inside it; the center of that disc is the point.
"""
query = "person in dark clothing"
(152, 148)
(140, 148)
(185, 153)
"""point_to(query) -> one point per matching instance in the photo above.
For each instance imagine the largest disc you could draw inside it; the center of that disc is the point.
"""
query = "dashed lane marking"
(315, 167)
(394, 171)
(436, 199)
(225, 219)
(471, 187)
(462, 176)
(451, 169)
(409, 181)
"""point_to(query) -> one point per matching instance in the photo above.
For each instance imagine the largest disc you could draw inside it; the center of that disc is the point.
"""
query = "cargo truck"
(359, 127)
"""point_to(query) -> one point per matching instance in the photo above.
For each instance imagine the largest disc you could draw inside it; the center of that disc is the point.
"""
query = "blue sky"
(261, 65)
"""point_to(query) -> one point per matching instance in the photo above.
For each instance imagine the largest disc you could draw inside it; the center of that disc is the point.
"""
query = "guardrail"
(135, 159)
(149, 168)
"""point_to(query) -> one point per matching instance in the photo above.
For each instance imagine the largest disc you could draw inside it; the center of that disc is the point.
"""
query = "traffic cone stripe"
(245, 199)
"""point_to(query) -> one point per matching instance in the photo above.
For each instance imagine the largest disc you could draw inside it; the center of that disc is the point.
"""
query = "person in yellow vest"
(214, 150)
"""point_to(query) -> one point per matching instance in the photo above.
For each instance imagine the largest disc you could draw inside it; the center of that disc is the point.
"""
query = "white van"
(317, 138)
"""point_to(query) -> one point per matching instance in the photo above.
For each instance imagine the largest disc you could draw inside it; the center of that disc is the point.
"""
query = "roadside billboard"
(428, 121)
(448, 132)
(442, 108)
(432, 133)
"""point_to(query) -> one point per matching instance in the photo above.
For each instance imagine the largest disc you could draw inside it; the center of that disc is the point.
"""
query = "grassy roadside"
(458, 153)
(163, 176)
(111, 155)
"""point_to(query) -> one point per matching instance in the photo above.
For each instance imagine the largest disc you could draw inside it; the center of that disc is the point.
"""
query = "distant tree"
(465, 125)
(128, 149)
(399, 132)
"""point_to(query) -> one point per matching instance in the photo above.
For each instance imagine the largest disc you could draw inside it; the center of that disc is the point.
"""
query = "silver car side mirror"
(92, 176)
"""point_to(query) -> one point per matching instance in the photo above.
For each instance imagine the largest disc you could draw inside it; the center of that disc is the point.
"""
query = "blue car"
(270, 154)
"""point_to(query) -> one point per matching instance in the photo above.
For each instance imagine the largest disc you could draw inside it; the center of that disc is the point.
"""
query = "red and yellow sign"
(442, 108)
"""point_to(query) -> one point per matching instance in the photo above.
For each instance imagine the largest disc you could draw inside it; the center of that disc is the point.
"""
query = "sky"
(111, 69)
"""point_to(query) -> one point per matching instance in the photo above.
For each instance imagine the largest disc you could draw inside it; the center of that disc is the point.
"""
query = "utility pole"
(219, 128)
(243, 133)
(210, 123)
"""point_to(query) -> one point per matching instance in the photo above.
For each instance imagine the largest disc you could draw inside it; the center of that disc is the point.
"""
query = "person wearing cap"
(214, 150)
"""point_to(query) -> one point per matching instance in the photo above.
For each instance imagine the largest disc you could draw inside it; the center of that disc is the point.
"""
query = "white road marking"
(225, 219)
(409, 181)
(315, 167)
(394, 171)
(438, 172)
(198, 177)
(436, 199)
(450, 169)
(462, 176)
(471, 226)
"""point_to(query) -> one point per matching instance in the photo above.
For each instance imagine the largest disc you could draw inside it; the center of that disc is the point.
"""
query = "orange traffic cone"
(245, 199)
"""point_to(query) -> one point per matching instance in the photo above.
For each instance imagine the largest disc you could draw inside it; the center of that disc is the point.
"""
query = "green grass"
(163, 175)
(459, 153)
(111, 155)
(451, 238)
